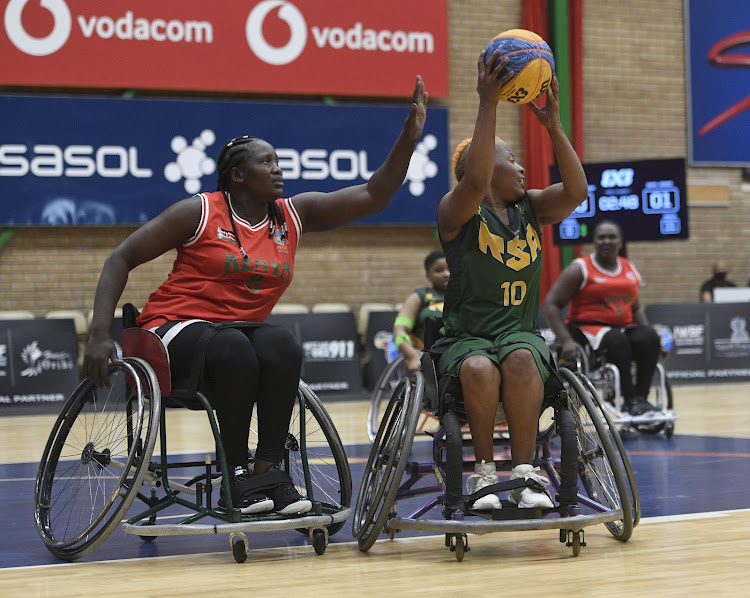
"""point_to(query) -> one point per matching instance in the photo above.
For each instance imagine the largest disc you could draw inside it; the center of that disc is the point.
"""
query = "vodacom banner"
(264, 46)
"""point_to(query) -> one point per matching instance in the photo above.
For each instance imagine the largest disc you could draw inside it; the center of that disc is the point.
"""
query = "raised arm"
(324, 211)
(167, 231)
(557, 298)
(459, 204)
(557, 202)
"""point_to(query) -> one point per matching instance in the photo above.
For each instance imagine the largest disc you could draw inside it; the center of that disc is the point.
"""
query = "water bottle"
(666, 339)
(391, 350)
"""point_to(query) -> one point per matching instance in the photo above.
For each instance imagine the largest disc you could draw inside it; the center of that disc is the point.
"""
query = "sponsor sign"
(710, 343)
(79, 161)
(332, 47)
(38, 361)
(717, 34)
(331, 352)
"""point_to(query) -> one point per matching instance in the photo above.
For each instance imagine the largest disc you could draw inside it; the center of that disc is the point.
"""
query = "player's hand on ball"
(489, 81)
(549, 114)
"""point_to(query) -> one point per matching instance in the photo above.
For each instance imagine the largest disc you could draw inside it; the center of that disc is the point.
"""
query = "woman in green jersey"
(424, 302)
(491, 231)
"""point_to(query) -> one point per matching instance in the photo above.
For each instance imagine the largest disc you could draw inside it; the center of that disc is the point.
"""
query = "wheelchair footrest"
(510, 512)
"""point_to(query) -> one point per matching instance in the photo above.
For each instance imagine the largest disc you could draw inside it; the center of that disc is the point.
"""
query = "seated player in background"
(601, 291)
(424, 302)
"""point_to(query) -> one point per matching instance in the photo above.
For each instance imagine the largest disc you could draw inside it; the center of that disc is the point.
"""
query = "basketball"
(530, 58)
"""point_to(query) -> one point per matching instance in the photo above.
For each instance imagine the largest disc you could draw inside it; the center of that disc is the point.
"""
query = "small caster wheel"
(576, 545)
(669, 429)
(575, 541)
(458, 544)
(390, 531)
(459, 550)
(151, 521)
(239, 547)
(319, 539)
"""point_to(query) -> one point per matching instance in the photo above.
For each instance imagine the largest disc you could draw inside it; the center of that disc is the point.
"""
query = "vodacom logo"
(38, 46)
(258, 44)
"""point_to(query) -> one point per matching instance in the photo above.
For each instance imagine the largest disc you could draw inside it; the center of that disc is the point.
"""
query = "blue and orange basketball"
(530, 59)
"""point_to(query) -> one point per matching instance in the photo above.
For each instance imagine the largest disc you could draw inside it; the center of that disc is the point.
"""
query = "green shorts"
(497, 350)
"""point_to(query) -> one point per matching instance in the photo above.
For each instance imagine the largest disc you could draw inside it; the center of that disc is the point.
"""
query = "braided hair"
(230, 156)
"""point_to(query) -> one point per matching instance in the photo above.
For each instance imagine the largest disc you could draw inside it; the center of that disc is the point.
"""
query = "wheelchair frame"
(581, 452)
(98, 459)
(606, 379)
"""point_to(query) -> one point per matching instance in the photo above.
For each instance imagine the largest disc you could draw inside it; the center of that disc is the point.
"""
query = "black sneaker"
(244, 496)
(284, 494)
(640, 406)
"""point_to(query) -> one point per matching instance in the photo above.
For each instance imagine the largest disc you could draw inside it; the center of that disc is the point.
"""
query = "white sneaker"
(485, 474)
(529, 498)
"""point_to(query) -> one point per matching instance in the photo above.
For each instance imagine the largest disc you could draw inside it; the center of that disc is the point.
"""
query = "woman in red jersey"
(235, 258)
(601, 291)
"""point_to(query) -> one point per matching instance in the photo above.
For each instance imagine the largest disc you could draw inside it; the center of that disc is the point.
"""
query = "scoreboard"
(646, 198)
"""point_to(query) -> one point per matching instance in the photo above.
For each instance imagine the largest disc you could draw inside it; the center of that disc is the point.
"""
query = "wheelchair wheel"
(600, 471)
(381, 394)
(95, 459)
(619, 447)
(387, 462)
(312, 438)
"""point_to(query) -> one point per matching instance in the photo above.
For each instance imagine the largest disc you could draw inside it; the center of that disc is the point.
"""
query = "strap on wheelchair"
(470, 499)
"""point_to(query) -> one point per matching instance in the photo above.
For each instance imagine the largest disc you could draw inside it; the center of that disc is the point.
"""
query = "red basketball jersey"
(605, 297)
(211, 280)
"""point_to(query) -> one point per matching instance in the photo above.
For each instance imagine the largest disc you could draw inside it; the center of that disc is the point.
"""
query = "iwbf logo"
(38, 46)
(357, 37)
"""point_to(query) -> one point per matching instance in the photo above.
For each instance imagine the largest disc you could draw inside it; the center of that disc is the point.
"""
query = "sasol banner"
(37, 361)
(336, 47)
(78, 161)
(717, 34)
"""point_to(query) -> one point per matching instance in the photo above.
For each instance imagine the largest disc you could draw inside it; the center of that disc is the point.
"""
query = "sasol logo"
(75, 161)
(317, 164)
(125, 27)
(357, 37)
(617, 178)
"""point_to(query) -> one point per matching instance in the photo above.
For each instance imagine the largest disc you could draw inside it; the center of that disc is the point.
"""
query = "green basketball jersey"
(495, 274)
(431, 306)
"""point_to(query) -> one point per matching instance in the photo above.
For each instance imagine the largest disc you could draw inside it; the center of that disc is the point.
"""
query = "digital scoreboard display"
(646, 198)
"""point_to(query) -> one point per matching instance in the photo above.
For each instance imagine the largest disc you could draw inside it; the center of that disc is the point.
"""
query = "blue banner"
(717, 38)
(101, 161)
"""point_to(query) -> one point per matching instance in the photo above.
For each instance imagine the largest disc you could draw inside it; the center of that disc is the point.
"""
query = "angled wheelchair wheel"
(619, 447)
(387, 462)
(314, 456)
(381, 394)
(602, 482)
(95, 459)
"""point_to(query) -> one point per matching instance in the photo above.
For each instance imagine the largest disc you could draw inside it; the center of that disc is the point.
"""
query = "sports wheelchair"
(605, 378)
(98, 460)
(579, 449)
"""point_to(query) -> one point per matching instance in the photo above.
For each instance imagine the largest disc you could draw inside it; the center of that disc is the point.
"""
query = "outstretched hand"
(418, 114)
(549, 114)
(489, 81)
